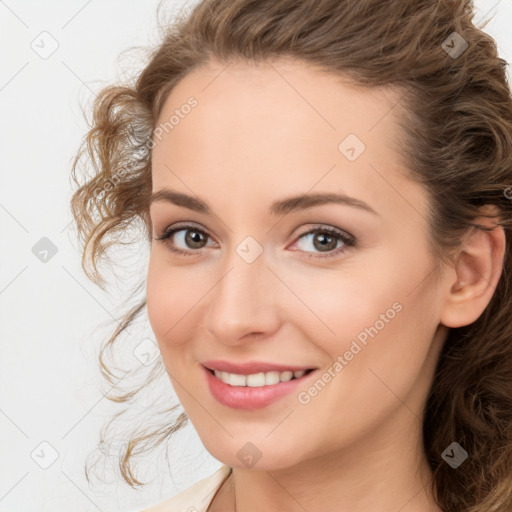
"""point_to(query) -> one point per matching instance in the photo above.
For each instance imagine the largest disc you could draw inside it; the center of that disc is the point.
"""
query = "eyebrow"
(281, 207)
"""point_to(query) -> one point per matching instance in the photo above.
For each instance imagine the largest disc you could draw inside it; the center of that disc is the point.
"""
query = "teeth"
(258, 379)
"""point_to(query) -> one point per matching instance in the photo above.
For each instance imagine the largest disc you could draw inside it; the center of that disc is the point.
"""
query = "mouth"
(256, 390)
(259, 379)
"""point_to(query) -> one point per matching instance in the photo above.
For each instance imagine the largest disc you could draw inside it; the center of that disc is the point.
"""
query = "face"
(341, 285)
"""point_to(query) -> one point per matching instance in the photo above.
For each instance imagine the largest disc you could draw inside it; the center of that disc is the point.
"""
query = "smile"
(258, 379)
(255, 390)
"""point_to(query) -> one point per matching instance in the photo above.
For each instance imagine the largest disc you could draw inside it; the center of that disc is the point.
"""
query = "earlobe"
(477, 271)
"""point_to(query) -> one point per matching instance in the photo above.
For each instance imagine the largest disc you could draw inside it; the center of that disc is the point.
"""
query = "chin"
(244, 453)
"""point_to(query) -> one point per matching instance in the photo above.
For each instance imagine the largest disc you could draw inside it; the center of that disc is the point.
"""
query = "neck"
(384, 471)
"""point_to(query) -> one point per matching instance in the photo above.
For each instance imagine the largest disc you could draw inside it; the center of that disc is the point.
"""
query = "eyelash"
(348, 240)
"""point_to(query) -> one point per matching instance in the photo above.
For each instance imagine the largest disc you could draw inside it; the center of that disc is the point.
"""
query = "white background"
(53, 318)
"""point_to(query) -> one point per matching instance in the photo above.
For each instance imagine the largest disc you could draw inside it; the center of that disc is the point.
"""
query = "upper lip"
(251, 367)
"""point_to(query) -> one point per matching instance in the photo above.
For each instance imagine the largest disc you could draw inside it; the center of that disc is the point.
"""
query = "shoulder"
(197, 497)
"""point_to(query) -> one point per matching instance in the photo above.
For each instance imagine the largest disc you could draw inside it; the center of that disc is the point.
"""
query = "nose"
(244, 302)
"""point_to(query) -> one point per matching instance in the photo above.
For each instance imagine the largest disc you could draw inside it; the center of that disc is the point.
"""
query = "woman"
(325, 190)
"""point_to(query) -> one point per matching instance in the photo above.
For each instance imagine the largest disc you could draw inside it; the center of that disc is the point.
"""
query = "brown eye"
(325, 240)
(184, 239)
(194, 238)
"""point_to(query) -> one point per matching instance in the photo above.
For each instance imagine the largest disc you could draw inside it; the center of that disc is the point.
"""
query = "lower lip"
(247, 397)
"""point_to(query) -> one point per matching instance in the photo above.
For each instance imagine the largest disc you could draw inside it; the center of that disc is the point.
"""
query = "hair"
(456, 138)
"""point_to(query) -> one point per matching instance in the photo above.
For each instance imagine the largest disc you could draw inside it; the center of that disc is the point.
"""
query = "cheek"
(155, 299)
(336, 306)
(174, 297)
(380, 308)
(389, 334)
(163, 301)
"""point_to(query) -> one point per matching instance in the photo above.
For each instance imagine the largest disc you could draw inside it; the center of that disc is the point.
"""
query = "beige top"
(196, 498)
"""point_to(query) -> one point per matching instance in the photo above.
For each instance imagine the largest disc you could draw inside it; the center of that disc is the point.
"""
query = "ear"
(476, 273)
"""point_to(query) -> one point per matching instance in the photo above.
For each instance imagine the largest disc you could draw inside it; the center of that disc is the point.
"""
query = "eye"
(326, 240)
(192, 237)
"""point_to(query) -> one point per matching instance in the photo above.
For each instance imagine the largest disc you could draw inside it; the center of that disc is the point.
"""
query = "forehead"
(278, 124)
(277, 98)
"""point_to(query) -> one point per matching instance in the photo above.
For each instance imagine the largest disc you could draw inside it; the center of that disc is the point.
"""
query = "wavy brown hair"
(455, 115)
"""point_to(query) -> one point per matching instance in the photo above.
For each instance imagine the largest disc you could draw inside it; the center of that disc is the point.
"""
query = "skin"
(259, 134)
